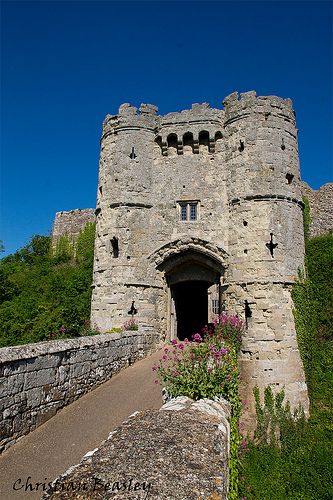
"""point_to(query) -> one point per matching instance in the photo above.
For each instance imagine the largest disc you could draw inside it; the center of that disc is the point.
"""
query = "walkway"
(80, 427)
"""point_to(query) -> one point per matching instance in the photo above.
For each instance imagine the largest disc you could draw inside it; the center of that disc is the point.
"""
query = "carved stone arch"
(177, 247)
(192, 269)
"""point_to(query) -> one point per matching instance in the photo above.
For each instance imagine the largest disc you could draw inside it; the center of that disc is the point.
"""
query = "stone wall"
(71, 223)
(38, 379)
(321, 208)
(180, 451)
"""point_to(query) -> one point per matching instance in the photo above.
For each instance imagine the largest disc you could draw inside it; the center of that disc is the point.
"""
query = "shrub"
(45, 296)
(207, 368)
(131, 324)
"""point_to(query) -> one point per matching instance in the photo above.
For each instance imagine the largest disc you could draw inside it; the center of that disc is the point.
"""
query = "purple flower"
(181, 346)
(174, 342)
(197, 337)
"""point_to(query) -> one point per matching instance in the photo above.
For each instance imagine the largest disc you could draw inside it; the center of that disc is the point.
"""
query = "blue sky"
(65, 65)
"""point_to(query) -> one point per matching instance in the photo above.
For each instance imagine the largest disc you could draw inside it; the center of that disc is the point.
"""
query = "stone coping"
(26, 351)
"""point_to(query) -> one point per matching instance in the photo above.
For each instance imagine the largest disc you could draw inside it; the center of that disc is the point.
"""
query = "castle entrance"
(194, 293)
(190, 300)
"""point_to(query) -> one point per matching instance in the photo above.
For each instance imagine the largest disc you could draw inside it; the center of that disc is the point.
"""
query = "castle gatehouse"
(200, 212)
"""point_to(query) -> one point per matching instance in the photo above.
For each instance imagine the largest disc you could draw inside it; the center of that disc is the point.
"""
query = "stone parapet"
(149, 456)
(38, 379)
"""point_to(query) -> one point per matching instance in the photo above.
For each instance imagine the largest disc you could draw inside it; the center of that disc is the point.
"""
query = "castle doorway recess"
(190, 307)
(195, 297)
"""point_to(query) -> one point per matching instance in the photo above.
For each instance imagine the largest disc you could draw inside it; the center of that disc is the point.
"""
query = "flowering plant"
(228, 328)
(131, 324)
(205, 367)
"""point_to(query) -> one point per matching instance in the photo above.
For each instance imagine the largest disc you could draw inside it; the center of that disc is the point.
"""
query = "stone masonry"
(321, 208)
(199, 212)
(38, 379)
(71, 223)
(149, 456)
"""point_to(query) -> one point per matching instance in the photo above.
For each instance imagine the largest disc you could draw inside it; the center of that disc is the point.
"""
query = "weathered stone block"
(39, 378)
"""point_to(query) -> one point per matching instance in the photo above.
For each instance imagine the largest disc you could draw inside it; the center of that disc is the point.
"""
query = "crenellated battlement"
(129, 117)
(238, 106)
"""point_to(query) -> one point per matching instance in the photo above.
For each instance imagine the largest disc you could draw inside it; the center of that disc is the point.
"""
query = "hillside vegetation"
(45, 294)
(300, 468)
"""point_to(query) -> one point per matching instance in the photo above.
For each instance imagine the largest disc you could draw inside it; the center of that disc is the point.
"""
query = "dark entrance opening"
(191, 307)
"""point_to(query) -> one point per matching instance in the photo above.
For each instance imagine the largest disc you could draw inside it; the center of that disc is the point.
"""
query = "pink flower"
(181, 346)
(174, 342)
(197, 337)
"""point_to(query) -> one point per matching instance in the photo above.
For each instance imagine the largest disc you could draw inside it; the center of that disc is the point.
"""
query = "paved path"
(80, 427)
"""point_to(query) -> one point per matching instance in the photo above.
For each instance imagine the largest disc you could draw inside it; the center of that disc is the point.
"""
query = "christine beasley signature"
(94, 484)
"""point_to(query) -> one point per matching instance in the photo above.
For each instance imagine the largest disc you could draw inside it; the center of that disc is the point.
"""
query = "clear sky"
(66, 64)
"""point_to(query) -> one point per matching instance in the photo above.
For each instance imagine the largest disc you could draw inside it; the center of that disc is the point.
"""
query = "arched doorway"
(193, 272)
(191, 307)
(194, 282)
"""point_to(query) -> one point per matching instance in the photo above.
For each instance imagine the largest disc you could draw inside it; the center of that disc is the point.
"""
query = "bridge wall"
(179, 451)
(37, 380)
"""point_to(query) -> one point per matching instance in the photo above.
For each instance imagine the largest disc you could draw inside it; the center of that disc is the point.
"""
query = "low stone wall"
(178, 452)
(38, 379)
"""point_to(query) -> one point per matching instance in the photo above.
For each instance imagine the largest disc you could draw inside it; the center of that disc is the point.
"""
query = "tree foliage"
(44, 293)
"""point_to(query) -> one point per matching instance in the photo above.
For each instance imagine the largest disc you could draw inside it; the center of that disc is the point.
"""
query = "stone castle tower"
(200, 212)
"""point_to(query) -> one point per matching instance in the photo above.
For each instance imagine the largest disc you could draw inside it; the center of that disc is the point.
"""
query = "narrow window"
(289, 178)
(183, 212)
(132, 155)
(115, 247)
(241, 146)
(188, 210)
(193, 211)
(271, 246)
(215, 306)
(248, 313)
(188, 142)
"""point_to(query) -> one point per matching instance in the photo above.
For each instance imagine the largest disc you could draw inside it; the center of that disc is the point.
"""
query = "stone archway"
(193, 271)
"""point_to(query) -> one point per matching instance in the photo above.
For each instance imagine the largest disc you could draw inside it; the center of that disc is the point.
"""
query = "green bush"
(44, 293)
